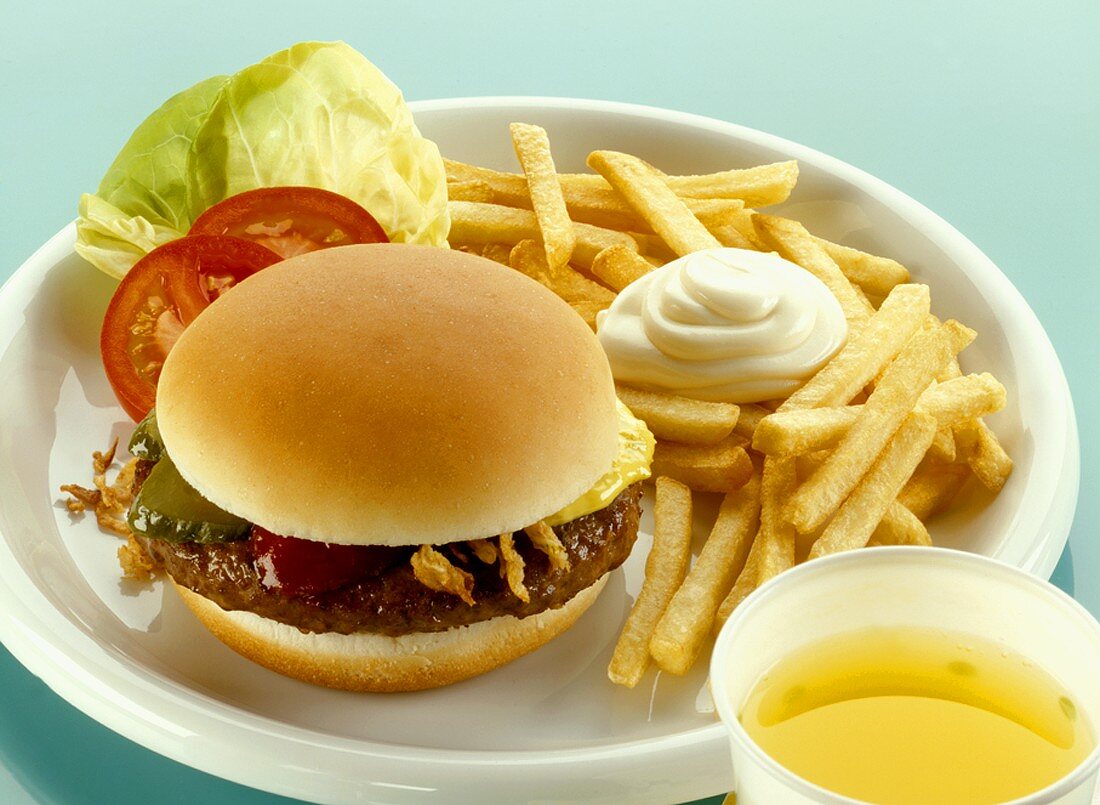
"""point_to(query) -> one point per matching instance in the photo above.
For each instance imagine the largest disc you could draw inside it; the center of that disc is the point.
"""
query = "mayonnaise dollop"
(723, 324)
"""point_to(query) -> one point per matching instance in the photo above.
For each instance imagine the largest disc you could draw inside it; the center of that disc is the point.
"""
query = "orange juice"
(907, 715)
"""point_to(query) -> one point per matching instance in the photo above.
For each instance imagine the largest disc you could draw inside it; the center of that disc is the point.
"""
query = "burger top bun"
(389, 394)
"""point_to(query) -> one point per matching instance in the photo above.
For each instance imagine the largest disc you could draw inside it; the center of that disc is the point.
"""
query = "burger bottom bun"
(383, 664)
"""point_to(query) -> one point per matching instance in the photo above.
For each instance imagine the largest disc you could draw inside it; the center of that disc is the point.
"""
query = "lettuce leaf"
(111, 240)
(316, 114)
(150, 176)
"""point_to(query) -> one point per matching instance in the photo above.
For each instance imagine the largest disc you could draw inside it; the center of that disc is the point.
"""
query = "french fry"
(952, 403)
(744, 585)
(533, 151)
(664, 572)
(652, 248)
(983, 452)
(893, 398)
(748, 419)
(790, 433)
(647, 193)
(497, 252)
(470, 190)
(607, 209)
(943, 444)
(760, 186)
(617, 267)
(680, 419)
(572, 286)
(794, 243)
(877, 276)
(720, 467)
(731, 236)
(777, 550)
(861, 513)
(899, 526)
(588, 198)
(955, 401)
(901, 314)
(474, 223)
(681, 631)
(773, 549)
(589, 311)
(932, 487)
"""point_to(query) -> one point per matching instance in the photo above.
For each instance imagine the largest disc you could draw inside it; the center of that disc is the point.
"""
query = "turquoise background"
(987, 112)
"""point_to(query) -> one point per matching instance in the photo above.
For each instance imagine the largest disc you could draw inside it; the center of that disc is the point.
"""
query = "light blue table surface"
(987, 112)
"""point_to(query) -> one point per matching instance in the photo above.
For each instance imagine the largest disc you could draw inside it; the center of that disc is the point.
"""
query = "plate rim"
(104, 705)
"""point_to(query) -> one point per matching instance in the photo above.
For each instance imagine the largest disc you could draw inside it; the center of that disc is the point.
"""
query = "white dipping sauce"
(723, 324)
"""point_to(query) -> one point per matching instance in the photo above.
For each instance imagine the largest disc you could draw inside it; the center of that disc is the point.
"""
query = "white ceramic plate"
(549, 727)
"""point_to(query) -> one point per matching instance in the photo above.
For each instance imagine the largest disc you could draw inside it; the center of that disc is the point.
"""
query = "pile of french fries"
(873, 445)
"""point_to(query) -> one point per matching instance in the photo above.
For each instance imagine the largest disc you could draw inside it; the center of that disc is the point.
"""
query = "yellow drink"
(910, 715)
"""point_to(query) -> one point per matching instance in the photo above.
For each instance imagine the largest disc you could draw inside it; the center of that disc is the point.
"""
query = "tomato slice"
(291, 220)
(158, 298)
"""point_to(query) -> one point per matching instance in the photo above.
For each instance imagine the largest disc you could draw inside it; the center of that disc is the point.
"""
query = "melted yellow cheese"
(630, 466)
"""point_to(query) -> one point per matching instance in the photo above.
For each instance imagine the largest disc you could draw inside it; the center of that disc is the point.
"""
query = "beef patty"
(389, 600)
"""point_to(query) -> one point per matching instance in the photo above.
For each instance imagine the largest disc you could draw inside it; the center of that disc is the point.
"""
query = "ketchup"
(304, 567)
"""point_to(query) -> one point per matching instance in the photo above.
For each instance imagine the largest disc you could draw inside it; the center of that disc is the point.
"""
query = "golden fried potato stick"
(759, 186)
(877, 276)
(952, 403)
(543, 537)
(863, 510)
(606, 208)
(665, 568)
(983, 452)
(586, 202)
(943, 445)
(720, 467)
(589, 311)
(730, 236)
(647, 193)
(435, 571)
(528, 257)
(680, 419)
(533, 151)
(794, 243)
(474, 223)
(955, 401)
(893, 398)
(932, 487)
(617, 267)
(900, 526)
(680, 633)
(773, 549)
(777, 550)
(653, 248)
(803, 430)
(749, 419)
(864, 356)
(470, 190)
(511, 567)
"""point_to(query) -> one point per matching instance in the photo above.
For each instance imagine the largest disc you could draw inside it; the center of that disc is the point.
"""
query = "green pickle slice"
(145, 441)
(169, 508)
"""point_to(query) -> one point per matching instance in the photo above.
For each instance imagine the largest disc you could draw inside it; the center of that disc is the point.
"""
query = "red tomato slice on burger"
(158, 298)
(291, 220)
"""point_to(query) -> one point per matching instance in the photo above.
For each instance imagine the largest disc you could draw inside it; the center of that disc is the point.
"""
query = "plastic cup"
(902, 587)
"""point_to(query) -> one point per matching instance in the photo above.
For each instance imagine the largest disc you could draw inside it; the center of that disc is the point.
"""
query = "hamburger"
(387, 467)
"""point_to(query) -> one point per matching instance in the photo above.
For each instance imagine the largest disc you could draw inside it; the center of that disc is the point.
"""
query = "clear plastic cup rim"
(755, 606)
